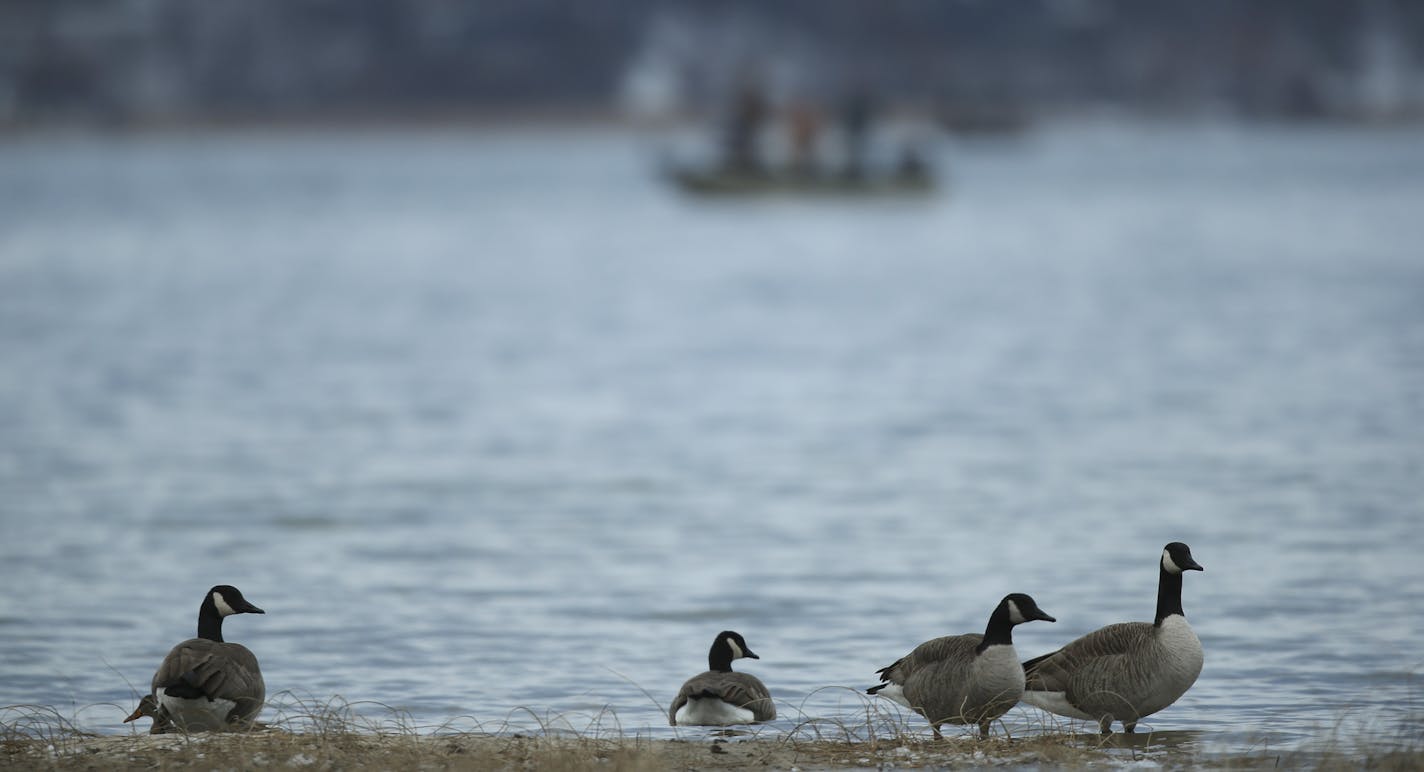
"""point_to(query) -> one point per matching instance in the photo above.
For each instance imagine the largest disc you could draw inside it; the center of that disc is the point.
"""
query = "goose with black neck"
(1124, 672)
(964, 679)
(720, 697)
(206, 683)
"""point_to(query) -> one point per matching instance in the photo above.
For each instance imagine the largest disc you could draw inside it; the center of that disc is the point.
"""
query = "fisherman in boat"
(742, 138)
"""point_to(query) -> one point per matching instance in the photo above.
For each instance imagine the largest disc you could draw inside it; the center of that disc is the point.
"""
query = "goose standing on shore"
(720, 697)
(205, 683)
(964, 679)
(1126, 671)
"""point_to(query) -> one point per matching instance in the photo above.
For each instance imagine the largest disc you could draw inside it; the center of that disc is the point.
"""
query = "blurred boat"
(715, 181)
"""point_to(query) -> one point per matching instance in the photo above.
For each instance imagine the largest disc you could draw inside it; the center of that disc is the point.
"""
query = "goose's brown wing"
(1056, 671)
(929, 653)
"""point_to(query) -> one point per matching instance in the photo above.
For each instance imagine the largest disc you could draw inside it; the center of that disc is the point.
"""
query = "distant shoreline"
(363, 119)
(376, 120)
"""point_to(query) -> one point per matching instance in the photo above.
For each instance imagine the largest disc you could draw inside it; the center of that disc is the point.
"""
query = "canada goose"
(205, 683)
(720, 697)
(1125, 671)
(964, 679)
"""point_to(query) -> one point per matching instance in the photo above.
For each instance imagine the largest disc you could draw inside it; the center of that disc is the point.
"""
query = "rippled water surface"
(494, 421)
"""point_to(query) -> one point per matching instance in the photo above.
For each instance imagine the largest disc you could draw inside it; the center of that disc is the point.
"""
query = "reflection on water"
(490, 423)
(1170, 740)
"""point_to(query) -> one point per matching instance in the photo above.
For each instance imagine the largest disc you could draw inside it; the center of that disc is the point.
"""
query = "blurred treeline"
(116, 61)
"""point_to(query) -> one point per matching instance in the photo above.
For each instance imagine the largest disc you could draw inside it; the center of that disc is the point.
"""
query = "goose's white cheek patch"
(1015, 615)
(223, 608)
(736, 650)
(1169, 564)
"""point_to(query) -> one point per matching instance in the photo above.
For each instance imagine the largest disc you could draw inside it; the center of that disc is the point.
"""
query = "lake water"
(501, 431)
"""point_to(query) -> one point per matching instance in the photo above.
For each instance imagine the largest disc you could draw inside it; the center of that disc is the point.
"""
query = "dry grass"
(335, 734)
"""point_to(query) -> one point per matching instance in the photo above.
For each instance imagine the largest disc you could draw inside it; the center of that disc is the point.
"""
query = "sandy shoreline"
(476, 752)
(284, 749)
(280, 749)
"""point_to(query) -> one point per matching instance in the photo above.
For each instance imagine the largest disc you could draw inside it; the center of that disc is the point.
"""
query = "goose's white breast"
(708, 711)
(200, 713)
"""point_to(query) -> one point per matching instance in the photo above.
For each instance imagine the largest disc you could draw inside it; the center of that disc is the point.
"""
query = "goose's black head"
(1176, 560)
(227, 600)
(221, 601)
(726, 647)
(1015, 609)
(1177, 557)
(1021, 608)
